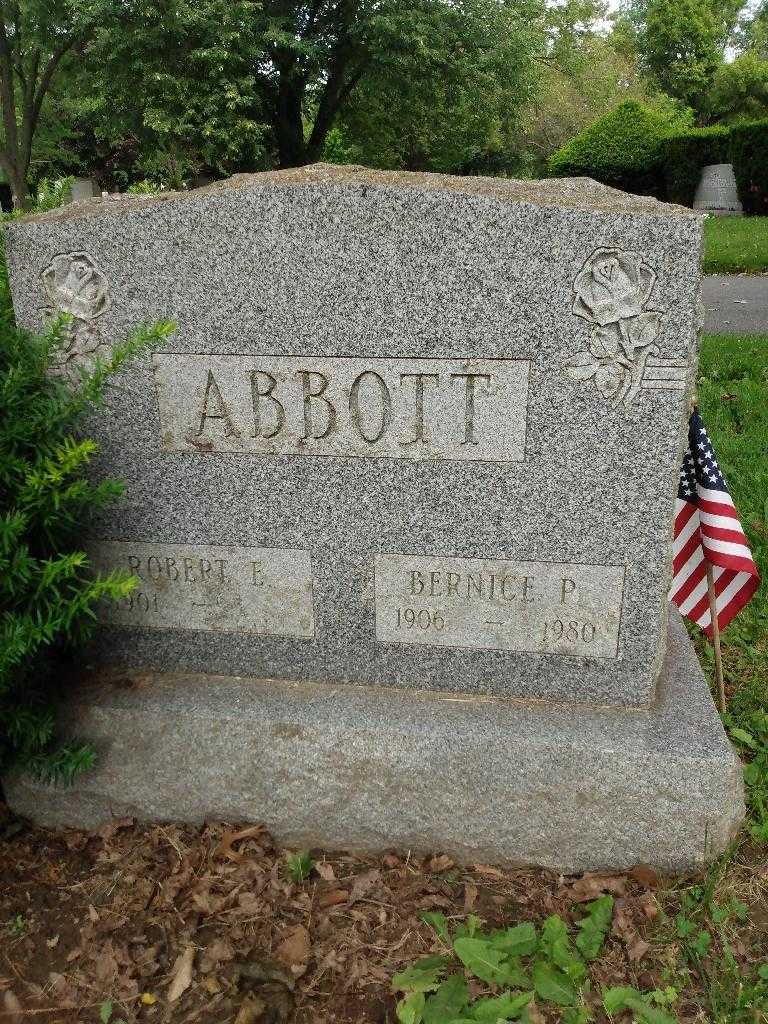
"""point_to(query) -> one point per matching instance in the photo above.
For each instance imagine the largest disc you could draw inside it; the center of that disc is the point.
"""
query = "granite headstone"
(399, 498)
(717, 191)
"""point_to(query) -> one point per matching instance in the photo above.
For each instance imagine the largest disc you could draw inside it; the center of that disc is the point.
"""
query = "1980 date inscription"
(538, 607)
(466, 409)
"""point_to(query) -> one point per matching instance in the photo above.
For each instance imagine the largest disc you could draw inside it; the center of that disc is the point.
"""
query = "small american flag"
(707, 530)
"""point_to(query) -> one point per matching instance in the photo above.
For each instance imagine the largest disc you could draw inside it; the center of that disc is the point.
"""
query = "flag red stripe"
(717, 509)
(718, 533)
(690, 584)
(734, 562)
(720, 584)
(694, 541)
(734, 606)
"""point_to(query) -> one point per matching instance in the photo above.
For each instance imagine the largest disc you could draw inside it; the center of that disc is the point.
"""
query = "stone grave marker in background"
(399, 498)
(717, 191)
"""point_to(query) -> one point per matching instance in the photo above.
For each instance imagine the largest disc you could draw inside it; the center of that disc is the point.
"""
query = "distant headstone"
(717, 191)
(83, 188)
(399, 497)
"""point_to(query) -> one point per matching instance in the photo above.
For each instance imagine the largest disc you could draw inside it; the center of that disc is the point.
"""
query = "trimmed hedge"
(637, 150)
(685, 154)
(623, 149)
(749, 156)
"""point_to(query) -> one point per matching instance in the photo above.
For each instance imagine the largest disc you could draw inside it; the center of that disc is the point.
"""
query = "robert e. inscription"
(376, 408)
(538, 607)
(198, 586)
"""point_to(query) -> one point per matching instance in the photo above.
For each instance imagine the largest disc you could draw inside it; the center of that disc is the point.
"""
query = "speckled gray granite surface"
(592, 292)
(349, 767)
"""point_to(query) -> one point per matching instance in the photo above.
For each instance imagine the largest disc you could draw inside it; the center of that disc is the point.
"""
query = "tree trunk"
(18, 182)
(288, 123)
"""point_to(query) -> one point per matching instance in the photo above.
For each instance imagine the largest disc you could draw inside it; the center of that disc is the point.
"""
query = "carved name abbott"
(539, 607)
(199, 586)
(376, 407)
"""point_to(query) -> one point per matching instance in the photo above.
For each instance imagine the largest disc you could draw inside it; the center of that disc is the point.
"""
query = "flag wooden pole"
(716, 637)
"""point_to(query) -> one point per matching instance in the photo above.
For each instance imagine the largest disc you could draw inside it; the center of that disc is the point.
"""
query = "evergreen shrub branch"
(48, 590)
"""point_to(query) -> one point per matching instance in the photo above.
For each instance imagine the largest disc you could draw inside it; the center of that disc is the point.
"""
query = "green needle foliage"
(48, 593)
(300, 866)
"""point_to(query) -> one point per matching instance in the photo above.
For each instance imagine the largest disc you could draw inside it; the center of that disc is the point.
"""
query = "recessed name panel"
(537, 607)
(202, 587)
(466, 409)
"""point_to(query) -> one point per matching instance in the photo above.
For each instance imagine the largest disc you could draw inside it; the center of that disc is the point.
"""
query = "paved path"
(736, 304)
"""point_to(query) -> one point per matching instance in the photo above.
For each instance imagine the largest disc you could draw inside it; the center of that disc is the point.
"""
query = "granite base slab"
(349, 767)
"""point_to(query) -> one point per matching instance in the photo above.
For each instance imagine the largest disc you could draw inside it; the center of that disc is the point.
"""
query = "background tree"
(684, 44)
(740, 89)
(240, 85)
(680, 43)
(37, 37)
(170, 89)
(587, 72)
(449, 97)
(571, 98)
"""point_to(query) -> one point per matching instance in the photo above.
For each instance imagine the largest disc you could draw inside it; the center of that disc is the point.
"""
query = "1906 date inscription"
(205, 587)
(379, 407)
(538, 607)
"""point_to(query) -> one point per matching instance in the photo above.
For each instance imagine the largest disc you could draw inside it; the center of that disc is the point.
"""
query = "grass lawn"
(171, 923)
(733, 397)
(735, 245)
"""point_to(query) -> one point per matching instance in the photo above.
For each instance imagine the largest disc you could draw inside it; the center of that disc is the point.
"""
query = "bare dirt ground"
(175, 923)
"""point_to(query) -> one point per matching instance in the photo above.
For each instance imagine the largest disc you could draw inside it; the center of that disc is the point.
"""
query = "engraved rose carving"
(611, 291)
(74, 284)
(612, 286)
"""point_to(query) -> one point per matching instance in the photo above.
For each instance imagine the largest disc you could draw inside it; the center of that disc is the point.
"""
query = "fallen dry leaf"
(11, 1004)
(646, 876)
(624, 927)
(363, 884)
(470, 895)
(534, 1014)
(249, 904)
(441, 863)
(335, 896)
(486, 869)
(250, 1010)
(225, 847)
(649, 906)
(295, 947)
(181, 974)
(218, 951)
(325, 870)
(637, 948)
(434, 900)
(109, 828)
(589, 887)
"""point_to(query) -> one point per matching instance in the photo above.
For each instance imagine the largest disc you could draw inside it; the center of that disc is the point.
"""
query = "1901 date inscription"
(205, 587)
(402, 408)
(537, 607)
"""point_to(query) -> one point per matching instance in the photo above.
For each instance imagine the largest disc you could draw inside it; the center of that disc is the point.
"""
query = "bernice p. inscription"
(611, 292)
(74, 284)
(499, 605)
(215, 588)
